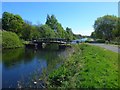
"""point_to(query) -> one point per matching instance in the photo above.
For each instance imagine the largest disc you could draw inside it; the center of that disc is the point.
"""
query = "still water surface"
(19, 65)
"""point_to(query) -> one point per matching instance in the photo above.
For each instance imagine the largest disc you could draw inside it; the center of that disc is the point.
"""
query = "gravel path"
(109, 47)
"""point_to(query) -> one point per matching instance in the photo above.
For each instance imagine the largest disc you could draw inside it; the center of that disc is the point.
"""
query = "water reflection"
(19, 64)
(12, 57)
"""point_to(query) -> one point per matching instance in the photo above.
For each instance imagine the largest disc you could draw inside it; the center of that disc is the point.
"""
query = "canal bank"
(82, 66)
(89, 67)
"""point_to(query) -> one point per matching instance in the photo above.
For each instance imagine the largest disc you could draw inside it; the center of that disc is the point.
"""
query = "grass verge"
(88, 67)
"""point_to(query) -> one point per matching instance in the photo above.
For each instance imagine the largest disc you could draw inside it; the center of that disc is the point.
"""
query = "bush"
(96, 41)
(10, 40)
(100, 41)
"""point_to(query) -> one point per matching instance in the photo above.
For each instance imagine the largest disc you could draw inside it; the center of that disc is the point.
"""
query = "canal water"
(21, 66)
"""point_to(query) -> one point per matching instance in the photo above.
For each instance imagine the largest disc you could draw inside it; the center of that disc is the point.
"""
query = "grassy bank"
(10, 40)
(88, 67)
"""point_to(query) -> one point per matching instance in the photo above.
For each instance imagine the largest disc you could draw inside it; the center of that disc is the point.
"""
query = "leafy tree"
(93, 35)
(116, 32)
(46, 31)
(29, 31)
(56, 26)
(75, 36)
(51, 21)
(12, 22)
(35, 33)
(104, 26)
(0, 24)
(26, 32)
(69, 34)
(60, 33)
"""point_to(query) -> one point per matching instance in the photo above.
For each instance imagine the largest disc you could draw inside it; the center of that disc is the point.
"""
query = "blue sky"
(78, 16)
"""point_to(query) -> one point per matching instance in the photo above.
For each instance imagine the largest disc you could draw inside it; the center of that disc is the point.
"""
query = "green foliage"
(51, 21)
(26, 31)
(12, 56)
(10, 40)
(29, 32)
(69, 34)
(60, 33)
(93, 35)
(89, 67)
(116, 32)
(12, 22)
(46, 31)
(105, 27)
(58, 76)
(0, 24)
(100, 41)
(35, 33)
(58, 29)
(55, 26)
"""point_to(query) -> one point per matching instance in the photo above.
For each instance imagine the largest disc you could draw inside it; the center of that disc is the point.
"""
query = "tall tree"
(26, 32)
(60, 33)
(93, 35)
(69, 35)
(35, 34)
(46, 31)
(30, 32)
(51, 21)
(0, 24)
(12, 22)
(104, 26)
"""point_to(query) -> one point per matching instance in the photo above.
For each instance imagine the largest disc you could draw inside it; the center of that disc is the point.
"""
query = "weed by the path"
(89, 67)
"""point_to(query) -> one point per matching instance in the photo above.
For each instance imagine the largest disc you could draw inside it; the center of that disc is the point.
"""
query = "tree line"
(26, 31)
(107, 28)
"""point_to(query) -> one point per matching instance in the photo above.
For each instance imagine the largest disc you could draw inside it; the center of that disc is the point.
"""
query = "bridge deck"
(51, 40)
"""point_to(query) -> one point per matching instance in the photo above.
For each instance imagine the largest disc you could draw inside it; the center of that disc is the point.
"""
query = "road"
(109, 47)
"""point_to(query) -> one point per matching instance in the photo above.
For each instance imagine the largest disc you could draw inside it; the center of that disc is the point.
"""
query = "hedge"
(10, 40)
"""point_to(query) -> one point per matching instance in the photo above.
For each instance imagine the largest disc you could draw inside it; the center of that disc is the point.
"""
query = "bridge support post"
(39, 45)
(62, 46)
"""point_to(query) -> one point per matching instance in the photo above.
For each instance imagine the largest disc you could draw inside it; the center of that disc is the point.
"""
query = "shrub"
(100, 41)
(10, 40)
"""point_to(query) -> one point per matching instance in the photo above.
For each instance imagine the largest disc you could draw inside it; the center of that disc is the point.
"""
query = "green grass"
(88, 67)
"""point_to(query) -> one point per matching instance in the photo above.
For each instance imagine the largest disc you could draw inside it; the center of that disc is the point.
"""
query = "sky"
(60, 0)
(79, 16)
